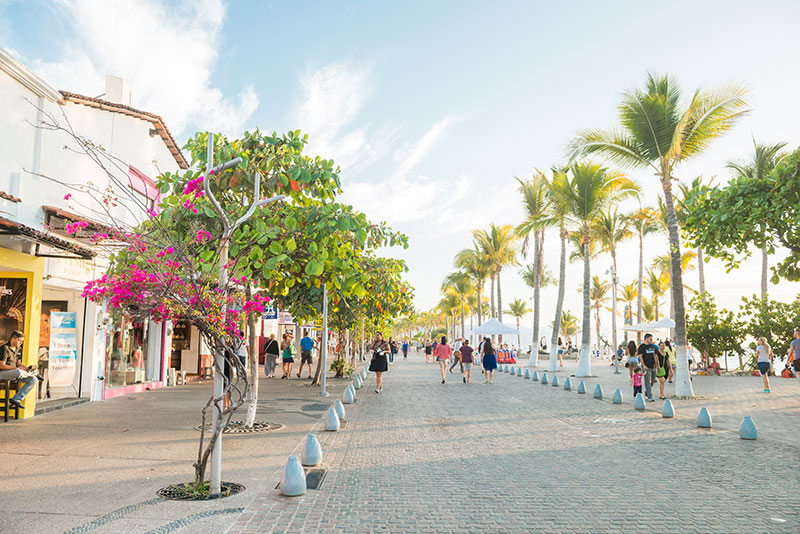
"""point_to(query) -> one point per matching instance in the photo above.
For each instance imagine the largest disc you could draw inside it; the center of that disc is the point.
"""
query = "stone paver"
(519, 456)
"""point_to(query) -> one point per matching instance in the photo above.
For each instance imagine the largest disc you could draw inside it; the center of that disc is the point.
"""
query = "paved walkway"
(519, 456)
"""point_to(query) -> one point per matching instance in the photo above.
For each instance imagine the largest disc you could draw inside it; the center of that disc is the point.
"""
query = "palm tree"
(698, 186)
(644, 221)
(663, 264)
(648, 310)
(658, 283)
(628, 294)
(518, 309)
(498, 245)
(598, 294)
(459, 282)
(660, 132)
(472, 262)
(762, 161)
(610, 230)
(568, 327)
(593, 189)
(536, 202)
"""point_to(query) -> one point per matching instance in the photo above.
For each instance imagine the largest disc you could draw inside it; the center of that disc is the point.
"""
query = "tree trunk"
(252, 395)
(597, 324)
(614, 306)
(562, 272)
(480, 303)
(463, 332)
(764, 273)
(533, 359)
(701, 274)
(585, 364)
(683, 383)
(641, 286)
(499, 306)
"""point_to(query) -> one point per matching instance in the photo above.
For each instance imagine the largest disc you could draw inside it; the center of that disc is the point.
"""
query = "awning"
(47, 239)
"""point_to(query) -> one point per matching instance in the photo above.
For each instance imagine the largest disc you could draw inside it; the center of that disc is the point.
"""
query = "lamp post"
(324, 349)
(613, 273)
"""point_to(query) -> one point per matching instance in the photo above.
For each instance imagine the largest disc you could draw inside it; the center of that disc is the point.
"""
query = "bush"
(342, 367)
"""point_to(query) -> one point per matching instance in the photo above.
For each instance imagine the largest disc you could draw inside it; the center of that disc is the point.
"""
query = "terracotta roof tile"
(10, 198)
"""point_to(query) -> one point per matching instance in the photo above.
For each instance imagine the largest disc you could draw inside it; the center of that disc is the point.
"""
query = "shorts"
(796, 365)
(427, 350)
(467, 365)
(440, 359)
(305, 356)
(763, 368)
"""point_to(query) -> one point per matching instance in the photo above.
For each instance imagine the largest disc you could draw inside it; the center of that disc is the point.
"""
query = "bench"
(6, 386)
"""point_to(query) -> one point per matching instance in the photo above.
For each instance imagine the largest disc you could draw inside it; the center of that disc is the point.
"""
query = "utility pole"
(614, 318)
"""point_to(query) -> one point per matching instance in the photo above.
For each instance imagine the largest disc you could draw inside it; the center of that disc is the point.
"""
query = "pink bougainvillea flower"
(67, 196)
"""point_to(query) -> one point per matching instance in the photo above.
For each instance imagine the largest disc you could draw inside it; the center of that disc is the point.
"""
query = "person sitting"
(714, 367)
(787, 372)
(11, 368)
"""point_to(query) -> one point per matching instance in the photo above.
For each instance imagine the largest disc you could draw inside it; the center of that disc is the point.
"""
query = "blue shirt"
(405, 347)
(306, 343)
(796, 348)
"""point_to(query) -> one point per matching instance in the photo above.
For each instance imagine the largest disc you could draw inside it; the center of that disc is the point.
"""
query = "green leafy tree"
(712, 330)
(659, 131)
(772, 319)
(498, 245)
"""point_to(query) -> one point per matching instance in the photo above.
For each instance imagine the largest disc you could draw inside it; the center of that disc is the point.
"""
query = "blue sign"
(269, 313)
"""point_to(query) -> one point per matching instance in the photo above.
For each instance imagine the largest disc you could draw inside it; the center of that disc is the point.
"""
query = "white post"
(614, 319)
(219, 360)
(324, 351)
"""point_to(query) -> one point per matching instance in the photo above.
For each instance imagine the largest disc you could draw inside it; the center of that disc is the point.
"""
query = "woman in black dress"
(379, 363)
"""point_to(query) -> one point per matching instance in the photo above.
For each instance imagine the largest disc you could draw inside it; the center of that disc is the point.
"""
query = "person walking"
(457, 356)
(794, 352)
(442, 352)
(405, 349)
(663, 369)
(271, 352)
(648, 355)
(392, 349)
(636, 380)
(633, 359)
(428, 351)
(306, 346)
(379, 363)
(466, 361)
(561, 350)
(286, 353)
(489, 360)
(764, 357)
(670, 352)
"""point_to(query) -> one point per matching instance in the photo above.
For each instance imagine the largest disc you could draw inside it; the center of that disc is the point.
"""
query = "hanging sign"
(63, 348)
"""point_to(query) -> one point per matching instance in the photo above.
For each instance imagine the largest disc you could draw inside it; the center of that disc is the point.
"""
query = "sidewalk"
(519, 456)
(71, 468)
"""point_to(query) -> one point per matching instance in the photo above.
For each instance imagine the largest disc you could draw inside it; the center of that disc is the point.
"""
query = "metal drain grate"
(315, 476)
(185, 492)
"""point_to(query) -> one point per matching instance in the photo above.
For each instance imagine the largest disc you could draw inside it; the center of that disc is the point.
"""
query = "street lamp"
(613, 273)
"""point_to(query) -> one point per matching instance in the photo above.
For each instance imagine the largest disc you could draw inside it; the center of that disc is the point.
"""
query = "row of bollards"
(747, 429)
(293, 480)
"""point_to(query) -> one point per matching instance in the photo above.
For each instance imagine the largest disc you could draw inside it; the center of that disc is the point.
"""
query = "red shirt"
(443, 351)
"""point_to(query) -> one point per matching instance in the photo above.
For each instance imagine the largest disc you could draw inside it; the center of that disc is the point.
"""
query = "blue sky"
(431, 107)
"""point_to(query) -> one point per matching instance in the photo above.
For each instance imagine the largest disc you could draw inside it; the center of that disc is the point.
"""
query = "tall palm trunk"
(562, 272)
(614, 305)
(585, 364)
(499, 305)
(480, 304)
(701, 274)
(533, 360)
(764, 272)
(683, 383)
(463, 334)
(492, 307)
(639, 296)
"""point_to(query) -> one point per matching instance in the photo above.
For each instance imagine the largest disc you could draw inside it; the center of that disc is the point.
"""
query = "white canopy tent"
(641, 327)
(663, 324)
(495, 327)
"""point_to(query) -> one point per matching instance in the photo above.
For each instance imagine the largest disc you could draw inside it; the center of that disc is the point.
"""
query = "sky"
(432, 108)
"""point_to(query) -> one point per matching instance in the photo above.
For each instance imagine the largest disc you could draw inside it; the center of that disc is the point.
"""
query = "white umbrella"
(495, 327)
(663, 324)
(641, 327)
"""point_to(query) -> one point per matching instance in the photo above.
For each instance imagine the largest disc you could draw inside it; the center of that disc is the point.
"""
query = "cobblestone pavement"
(519, 456)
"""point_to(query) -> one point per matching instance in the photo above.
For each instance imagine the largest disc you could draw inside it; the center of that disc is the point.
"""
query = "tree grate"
(186, 492)
(235, 427)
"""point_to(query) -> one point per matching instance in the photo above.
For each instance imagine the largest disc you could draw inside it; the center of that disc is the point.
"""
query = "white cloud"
(333, 95)
(410, 158)
(166, 53)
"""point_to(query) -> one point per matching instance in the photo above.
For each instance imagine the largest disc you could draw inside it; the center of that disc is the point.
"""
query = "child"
(636, 380)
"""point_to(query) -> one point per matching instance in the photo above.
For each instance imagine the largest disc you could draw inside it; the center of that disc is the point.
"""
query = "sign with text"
(63, 348)
(269, 313)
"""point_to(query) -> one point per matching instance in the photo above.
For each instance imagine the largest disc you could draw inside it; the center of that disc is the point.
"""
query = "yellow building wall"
(31, 268)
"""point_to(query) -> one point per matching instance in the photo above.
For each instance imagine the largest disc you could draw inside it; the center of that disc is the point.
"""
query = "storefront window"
(126, 351)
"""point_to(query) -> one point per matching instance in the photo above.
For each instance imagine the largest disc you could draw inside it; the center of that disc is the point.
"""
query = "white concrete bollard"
(598, 391)
(527, 374)
(638, 402)
(617, 398)
(352, 390)
(704, 418)
(535, 376)
(544, 379)
(312, 451)
(357, 382)
(581, 387)
(332, 420)
(667, 410)
(568, 384)
(339, 407)
(747, 428)
(293, 481)
(554, 382)
(347, 396)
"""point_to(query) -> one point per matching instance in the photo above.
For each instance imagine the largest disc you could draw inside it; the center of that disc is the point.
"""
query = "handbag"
(662, 371)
